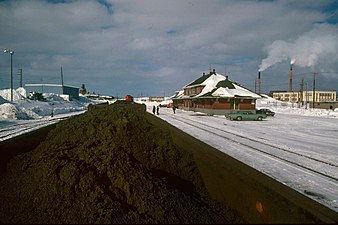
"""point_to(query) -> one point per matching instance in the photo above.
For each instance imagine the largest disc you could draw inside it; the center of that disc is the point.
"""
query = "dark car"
(267, 112)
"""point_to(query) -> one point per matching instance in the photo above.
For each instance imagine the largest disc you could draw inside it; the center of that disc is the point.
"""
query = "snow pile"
(11, 111)
(18, 94)
(23, 108)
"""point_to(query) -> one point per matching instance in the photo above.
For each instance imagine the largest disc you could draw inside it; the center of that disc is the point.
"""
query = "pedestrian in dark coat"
(154, 109)
(158, 110)
(174, 109)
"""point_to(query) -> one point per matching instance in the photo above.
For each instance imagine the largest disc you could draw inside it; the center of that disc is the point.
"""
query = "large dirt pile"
(109, 165)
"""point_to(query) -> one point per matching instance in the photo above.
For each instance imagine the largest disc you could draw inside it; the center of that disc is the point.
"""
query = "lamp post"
(12, 53)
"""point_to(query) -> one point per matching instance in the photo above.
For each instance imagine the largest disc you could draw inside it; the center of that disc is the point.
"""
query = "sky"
(156, 47)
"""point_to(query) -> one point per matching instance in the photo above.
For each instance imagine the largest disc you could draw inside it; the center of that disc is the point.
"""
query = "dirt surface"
(21, 144)
(114, 165)
(109, 165)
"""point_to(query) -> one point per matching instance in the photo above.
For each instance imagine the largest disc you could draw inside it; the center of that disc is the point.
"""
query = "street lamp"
(12, 53)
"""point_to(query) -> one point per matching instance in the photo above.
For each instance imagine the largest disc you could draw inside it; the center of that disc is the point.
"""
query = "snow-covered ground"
(298, 147)
(24, 115)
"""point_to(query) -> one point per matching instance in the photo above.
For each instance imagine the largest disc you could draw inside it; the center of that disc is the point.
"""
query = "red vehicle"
(129, 98)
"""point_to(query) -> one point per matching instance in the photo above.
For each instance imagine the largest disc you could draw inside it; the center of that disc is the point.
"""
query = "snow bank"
(23, 108)
(11, 111)
(18, 94)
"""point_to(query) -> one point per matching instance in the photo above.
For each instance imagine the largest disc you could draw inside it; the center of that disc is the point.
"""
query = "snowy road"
(298, 151)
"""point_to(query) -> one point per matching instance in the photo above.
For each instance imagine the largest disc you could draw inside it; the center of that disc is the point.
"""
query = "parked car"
(246, 115)
(268, 112)
(166, 104)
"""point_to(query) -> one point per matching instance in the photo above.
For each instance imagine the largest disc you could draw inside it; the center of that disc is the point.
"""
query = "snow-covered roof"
(238, 91)
(179, 94)
(217, 85)
(49, 85)
(206, 80)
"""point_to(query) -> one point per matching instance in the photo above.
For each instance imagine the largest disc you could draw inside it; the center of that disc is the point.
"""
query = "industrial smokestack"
(290, 77)
(259, 82)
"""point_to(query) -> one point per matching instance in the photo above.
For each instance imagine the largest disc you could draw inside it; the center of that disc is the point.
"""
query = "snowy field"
(298, 147)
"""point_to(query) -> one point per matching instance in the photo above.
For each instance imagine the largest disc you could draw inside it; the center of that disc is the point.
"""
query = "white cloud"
(176, 40)
(308, 50)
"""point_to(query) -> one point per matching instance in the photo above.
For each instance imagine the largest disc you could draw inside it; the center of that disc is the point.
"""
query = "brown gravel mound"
(109, 165)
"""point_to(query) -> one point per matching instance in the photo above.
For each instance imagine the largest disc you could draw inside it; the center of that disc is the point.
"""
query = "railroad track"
(317, 166)
(11, 131)
(17, 129)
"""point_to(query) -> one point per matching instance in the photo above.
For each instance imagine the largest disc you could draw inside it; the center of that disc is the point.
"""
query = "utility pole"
(314, 90)
(11, 53)
(301, 90)
(306, 95)
(20, 74)
(61, 77)
(62, 81)
(290, 78)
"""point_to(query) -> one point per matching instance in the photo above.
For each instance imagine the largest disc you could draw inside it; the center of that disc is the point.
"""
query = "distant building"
(72, 92)
(322, 99)
(320, 96)
(215, 94)
(156, 99)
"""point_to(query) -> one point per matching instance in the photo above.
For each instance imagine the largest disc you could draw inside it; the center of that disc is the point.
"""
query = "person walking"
(174, 109)
(154, 109)
(158, 110)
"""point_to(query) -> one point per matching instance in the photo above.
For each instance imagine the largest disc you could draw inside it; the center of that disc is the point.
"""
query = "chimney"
(226, 77)
(214, 71)
(290, 77)
(259, 82)
(203, 74)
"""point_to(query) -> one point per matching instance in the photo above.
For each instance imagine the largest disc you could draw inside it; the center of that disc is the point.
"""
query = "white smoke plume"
(309, 49)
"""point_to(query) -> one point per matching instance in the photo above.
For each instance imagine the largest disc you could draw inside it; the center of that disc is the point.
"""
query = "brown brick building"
(215, 94)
